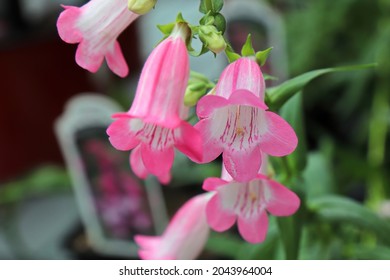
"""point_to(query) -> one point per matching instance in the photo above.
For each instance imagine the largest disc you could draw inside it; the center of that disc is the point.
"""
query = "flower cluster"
(233, 121)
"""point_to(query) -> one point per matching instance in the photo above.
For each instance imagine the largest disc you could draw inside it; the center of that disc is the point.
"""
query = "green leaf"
(247, 48)
(269, 77)
(318, 175)
(343, 210)
(364, 253)
(279, 95)
(262, 251)
(292, 112)
(224, 244)
(261, 56)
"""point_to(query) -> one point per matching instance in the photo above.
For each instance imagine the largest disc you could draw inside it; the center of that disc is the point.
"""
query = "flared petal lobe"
(185, 236)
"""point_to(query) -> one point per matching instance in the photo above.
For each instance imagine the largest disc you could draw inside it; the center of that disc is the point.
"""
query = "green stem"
(287, 234)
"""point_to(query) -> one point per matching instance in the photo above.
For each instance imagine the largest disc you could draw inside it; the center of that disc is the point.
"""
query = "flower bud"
(193, 93)
(141, 7)
(212, 38)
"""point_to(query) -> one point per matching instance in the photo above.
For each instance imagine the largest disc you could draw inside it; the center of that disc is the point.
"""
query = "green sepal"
(247, 48)
(195, 53)
(231, 55)
(261, 56)
(179, 18)
(166, 29)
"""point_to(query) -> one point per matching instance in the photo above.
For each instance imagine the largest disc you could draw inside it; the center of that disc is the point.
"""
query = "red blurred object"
(37, 77)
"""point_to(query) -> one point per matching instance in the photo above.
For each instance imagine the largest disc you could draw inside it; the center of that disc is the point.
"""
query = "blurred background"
(346, 114)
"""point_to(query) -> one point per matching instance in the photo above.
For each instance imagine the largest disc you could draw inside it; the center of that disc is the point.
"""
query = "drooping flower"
(155, 124)
(184, 237)
(96, 27)
(234, 122)
(247, 204)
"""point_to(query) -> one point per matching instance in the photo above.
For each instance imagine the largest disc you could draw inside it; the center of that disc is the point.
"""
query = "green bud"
(141, 7)
(212, 38)
(193, 93)
(197, 87)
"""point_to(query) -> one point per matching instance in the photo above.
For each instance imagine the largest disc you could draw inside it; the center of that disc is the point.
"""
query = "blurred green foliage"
(340, 168)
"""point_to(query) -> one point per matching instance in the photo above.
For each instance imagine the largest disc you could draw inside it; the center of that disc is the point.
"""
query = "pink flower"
(234, 121)
(154, 124)
(248, 204)
(184, 237)
(96, 26)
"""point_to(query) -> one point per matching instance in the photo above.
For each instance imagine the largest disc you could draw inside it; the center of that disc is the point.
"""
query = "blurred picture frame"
(114, 204)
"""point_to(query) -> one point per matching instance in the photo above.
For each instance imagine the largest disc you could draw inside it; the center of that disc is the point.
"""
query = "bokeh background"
(346, 117)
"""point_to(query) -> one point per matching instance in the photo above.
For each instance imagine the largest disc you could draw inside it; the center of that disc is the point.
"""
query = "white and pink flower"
(247, 204)
(185, 236)
(155, 124)
(234, 122)
(96, 27)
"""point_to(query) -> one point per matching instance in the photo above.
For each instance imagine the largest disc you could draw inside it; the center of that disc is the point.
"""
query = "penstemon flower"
(154, 124)
(248, 204)
(184, 237)
(96, 27)
(234, 122)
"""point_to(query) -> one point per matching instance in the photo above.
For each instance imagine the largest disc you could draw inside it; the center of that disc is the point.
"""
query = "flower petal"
(161, 87)
(219, 219)
(122, 137)
(149, 248)
(88, 58)
(136, 163)
(157, 162)
(242, 165)
(115, 60)
(189, 141)
(246, 98)
(66, 25)
(282, 201)
(185, 236)
(212, 147)
(212, 184)
(279, 138)
(208, 104)
(244, 73)
(253, 228)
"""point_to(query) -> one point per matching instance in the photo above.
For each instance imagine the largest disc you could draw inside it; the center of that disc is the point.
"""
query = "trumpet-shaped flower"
(154, 124)
(248, 204)
(96, 27)
(234, 122)
(184, 237)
